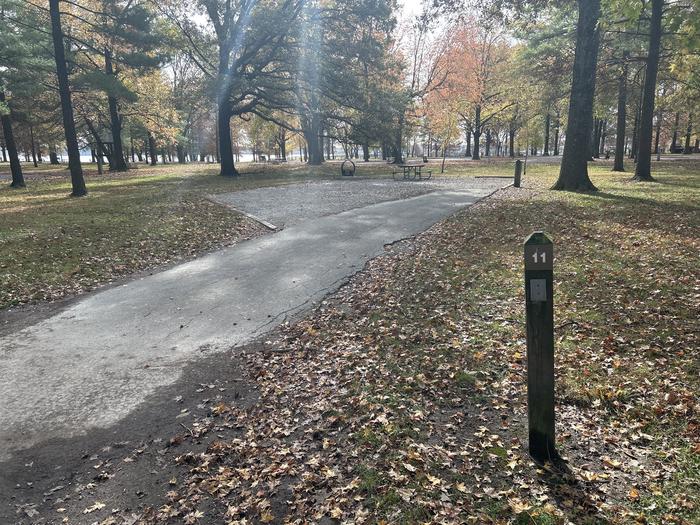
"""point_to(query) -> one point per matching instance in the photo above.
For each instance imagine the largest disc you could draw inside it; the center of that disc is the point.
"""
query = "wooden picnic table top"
(411, 165)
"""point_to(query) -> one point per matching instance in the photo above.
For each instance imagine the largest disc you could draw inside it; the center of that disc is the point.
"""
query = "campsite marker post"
(539, 315)
(518, 172)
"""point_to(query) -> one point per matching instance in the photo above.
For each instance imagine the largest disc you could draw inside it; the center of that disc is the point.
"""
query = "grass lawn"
(402, 398)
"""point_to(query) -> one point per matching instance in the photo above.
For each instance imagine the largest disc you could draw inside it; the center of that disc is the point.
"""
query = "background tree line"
(200, 80)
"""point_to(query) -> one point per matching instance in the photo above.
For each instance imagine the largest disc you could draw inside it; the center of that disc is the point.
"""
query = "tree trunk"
(603, 136)
(15, 166)
(397, 146)
(115, 121)
(477, 132)
(488, 143)
(619, 163)
(674, 141)
(659, 119)
(547, 121)
(635, 135)
(180, 151)
(689, 131)
(53, 156)
(225, 149)
(646, 123)
(33, 146)
(556, 135)
(152, 149)
(511, 140)
(595, 143)
(365, 151)
(468, 151)
(102, 150)
(444, 154)
(76, 170)
(312, 134)
(573, 174)
(216, 139)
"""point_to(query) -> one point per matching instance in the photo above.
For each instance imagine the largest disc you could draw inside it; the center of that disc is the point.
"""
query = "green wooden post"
(539, 309)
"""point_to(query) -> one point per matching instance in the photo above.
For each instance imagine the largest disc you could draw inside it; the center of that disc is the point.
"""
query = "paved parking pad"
(91, 365)
(283, 206)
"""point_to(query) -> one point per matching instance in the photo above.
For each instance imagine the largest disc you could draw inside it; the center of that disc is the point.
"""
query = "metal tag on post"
(539, 314)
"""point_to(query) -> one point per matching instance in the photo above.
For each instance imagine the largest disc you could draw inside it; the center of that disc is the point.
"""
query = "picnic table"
(411, 171)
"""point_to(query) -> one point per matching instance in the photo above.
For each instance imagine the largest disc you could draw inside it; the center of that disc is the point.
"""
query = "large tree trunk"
(311, 128)
(228, 168)
(488, 143)
(547, 121)
(76, 170)
(477, 132)
(573, 174)
(15, 166)
(646, 123)
(689, 131)
(468, 151)
(115, 121)
(365, 151)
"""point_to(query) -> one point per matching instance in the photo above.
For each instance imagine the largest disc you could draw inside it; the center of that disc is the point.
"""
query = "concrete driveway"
(94, 363)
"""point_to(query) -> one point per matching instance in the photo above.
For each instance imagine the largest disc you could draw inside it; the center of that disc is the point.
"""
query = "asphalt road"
(94, 363)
